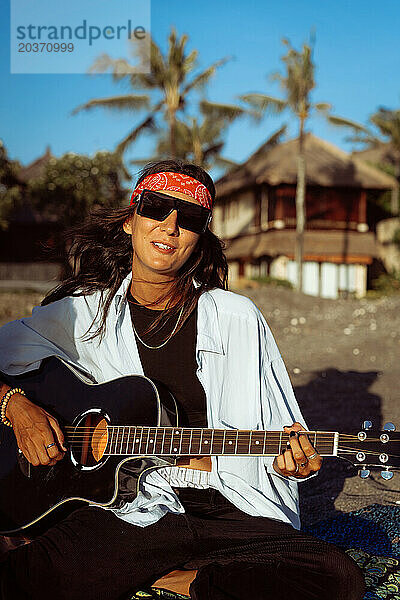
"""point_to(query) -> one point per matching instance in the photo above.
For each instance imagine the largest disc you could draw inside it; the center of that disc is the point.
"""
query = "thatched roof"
(35, 168)
(327, 166)
(380, 154)
(316, 243)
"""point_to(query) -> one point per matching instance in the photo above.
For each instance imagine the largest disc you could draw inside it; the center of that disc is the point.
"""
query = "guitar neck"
(181, 441)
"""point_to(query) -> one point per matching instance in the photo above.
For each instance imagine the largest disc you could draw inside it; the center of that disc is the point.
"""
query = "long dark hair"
(101, 255)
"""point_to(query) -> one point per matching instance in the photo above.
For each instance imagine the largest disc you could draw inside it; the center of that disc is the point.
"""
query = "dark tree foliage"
(10, 187)
(74, 184)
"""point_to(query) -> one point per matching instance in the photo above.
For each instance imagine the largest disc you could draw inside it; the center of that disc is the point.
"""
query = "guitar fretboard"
(181, 441)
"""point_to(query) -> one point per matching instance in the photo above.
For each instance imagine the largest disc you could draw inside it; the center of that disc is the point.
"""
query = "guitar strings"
(241, 449)
(113, 428)
(269, 437)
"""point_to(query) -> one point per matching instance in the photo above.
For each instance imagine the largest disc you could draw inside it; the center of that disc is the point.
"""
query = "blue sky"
(357, 69)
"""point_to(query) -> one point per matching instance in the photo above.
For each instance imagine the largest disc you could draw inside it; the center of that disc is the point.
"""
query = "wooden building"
(255, 214)
(22, 258)
(384, 154)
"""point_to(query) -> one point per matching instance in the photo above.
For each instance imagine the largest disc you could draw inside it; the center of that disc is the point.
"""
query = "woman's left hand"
(300, 459)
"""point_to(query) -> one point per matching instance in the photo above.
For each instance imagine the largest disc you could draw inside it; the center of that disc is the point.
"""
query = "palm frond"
(158, 66)
(130, 102)
(143, 161)
(274, 139)
(216, 110)
(213, 150)
(368, 140)
(190, 62)
(388, 123)
(147, 124)
(342, 122)
(176, 52)
(276, 76)
(119, 67)
(225, 163)
(200, 80)
(323, 107)
(264, 103)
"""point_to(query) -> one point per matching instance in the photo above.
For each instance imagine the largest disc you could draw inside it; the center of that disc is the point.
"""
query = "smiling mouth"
(163, 247)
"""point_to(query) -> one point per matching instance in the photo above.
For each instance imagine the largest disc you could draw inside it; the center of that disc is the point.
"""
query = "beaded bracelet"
(4, 402)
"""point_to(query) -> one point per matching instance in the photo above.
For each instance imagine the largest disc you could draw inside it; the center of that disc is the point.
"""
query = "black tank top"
(174, 364)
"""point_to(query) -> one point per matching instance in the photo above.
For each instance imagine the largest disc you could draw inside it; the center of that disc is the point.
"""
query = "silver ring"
(50, 445)
(312, 456)
(297, 469)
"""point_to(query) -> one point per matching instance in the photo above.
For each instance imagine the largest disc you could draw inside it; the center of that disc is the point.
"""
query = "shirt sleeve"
(50, 331)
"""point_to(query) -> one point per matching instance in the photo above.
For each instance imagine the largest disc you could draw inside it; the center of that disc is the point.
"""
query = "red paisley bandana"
(175, 182)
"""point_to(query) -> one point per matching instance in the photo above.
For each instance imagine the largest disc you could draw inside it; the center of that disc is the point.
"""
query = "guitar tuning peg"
(386, 475)
(364, 473)
(367, 425)
(389, 427)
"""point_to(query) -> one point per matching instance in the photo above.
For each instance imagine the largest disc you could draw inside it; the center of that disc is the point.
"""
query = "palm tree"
(388, 123)
(200, 139)
(168, 84)
(297, 85)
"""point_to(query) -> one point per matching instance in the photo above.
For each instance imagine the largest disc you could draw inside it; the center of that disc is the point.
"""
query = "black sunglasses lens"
(193, 219)
(154, 206)
(158, 206)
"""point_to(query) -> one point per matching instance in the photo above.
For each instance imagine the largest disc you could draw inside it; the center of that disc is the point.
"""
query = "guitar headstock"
(372, 450)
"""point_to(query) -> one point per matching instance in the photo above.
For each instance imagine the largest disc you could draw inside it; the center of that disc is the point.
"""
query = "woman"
(149, 297)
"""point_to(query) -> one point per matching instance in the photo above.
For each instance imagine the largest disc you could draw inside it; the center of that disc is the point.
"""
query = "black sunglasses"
(155, 205)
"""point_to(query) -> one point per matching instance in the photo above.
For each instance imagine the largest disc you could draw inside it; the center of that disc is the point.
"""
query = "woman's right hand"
(35, 429)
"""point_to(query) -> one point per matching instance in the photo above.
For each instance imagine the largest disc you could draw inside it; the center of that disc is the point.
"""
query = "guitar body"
(118, 430)
(32, 498)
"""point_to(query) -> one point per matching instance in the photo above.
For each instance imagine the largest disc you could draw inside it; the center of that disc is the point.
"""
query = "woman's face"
(150, 260)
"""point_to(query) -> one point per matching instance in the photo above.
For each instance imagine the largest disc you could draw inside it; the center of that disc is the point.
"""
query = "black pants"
(94, 555)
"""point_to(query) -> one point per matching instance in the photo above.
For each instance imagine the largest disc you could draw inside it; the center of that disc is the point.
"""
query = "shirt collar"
(208, 329)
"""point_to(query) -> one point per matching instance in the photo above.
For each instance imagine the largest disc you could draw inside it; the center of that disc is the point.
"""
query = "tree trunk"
(198, 153)
(172, 141)
(300, 209)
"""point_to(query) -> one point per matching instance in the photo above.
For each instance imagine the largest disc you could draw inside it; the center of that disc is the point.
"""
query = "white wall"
(239, 216)
(279, 268)
(334, 278)
(360, 280)
(311, 278)
(329, 280)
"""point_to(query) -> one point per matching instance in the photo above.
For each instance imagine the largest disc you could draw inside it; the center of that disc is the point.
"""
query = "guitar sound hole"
(89, 439)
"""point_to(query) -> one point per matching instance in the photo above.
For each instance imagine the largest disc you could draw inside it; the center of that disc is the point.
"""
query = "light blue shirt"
(239, 366)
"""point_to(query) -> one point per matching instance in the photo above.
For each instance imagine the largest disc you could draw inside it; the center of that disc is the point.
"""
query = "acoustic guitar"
(117, 431)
